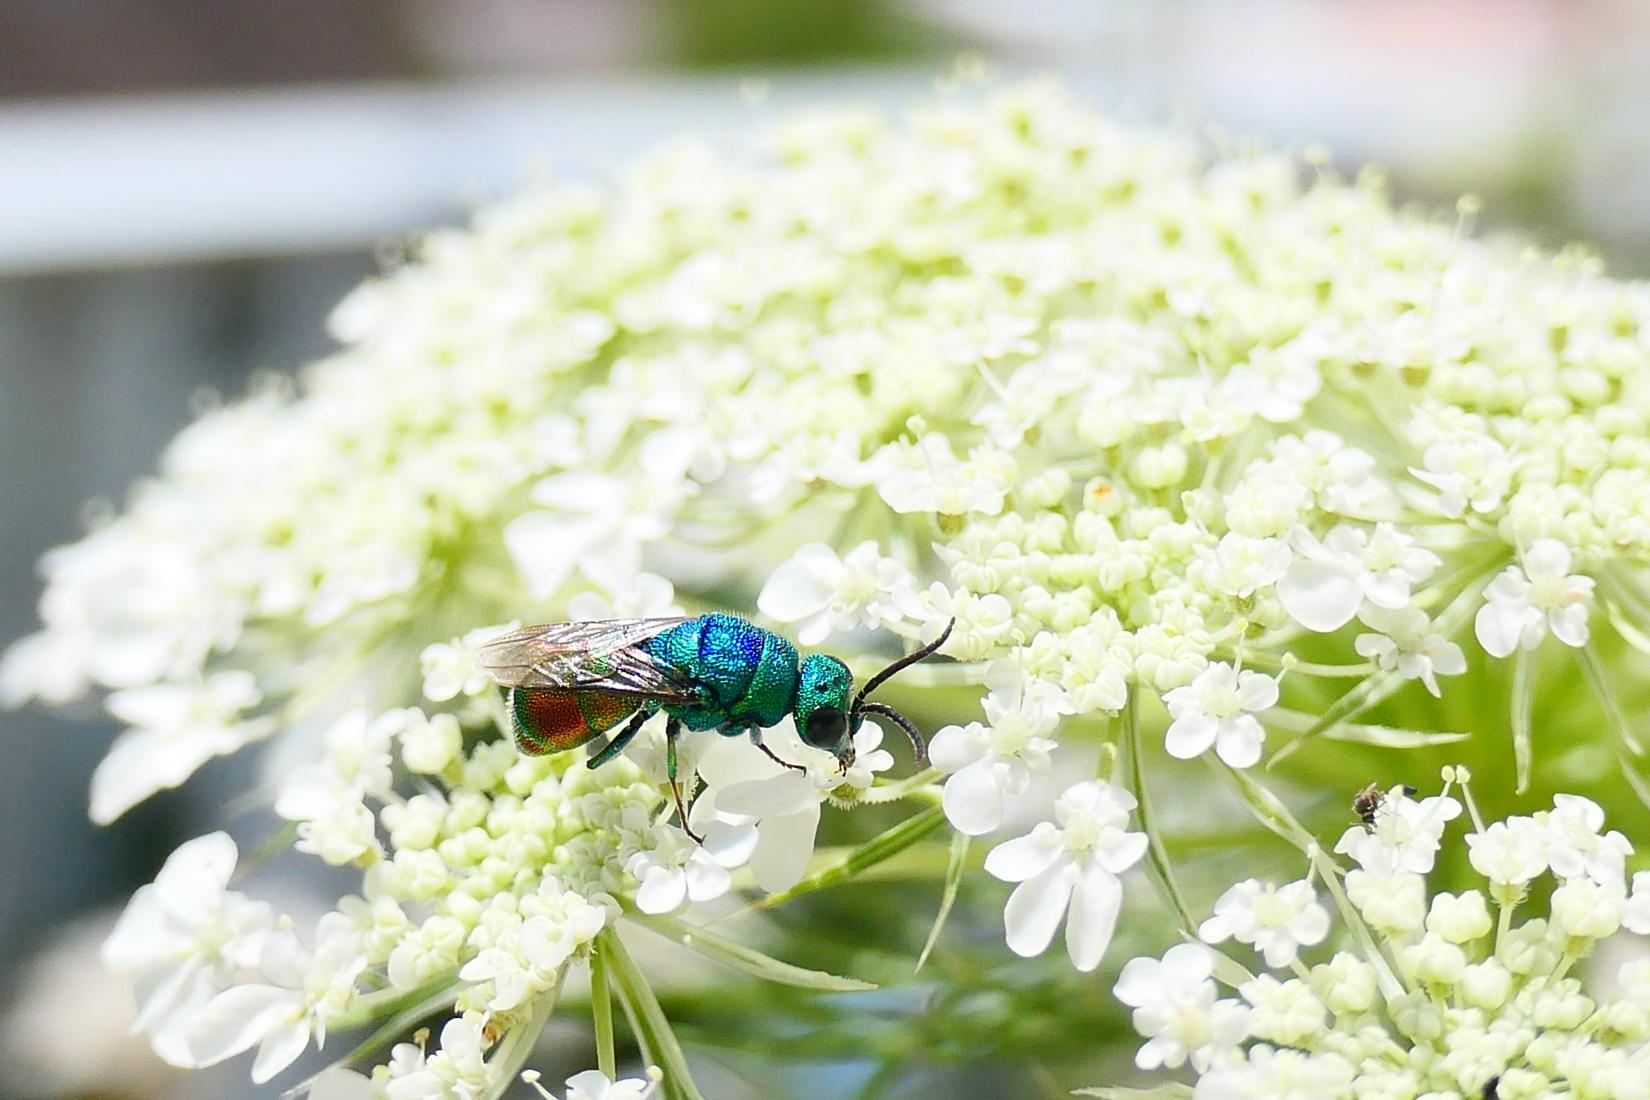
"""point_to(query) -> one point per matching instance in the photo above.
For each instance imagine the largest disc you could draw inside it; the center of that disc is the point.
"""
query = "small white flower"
(326, 798)
(1344, 479)
(594, 518)
(1406, 835)
(676, 871)
(1459, 918)
(1468, 472)
(979, 622)
(927, 476)
(279, 1016)
(458, 1071)
(1636, 917)
(783, 804)
(430, 744)
(1274, 383)
(593, 1084)
(1510, 853)
(1070, 865)
(450, 668)
(638, 596)
(1406, 642)
(1177, 1010)
(528, 949)
(1526, 602)
(870, 758)
(1576, 848)
(826, 593)
(1270, 1073)
(1391, 901)
(1283, 1011)
(992, 761)
(1217, 709)
(1329, 581)
(183, 937)
(1586, 909)
(175, 729)
(1239, 564)
(1276, 920)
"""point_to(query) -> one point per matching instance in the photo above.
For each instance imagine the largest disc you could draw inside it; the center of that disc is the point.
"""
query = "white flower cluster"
(1135, 417)
(1452, 996)
(1093, 361)
(488, 886)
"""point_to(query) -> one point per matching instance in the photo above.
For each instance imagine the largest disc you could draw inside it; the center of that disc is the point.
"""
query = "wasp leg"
(673, 730)
(756, 739)
(620, 740)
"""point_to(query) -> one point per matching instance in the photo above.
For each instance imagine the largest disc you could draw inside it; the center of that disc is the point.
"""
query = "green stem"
(1270, 811)
(948, 898)
(1256, 658)
(1157, 851)
(368, 1007)
(883, 846)
(653, 1029)
(1597, 679)
(1355, 702)
(518, 1045)
(912, 786)
(1523, 703)
(601, 1015)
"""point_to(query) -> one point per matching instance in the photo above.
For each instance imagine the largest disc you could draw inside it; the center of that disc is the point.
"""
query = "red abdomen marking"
(545, 720)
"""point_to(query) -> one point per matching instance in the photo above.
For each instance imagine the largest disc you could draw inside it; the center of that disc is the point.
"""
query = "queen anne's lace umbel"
(1142, 419)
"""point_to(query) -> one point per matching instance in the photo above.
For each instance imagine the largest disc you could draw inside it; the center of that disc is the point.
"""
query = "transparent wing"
(603, 655)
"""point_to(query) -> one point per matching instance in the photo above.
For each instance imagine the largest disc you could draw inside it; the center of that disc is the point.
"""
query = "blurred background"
(185, 189)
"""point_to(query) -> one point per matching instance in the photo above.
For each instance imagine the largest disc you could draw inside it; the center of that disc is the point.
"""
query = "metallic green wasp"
(567, 683)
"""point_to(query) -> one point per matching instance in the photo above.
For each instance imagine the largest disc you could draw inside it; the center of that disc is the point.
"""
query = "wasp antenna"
(900, 665)
(903, 723)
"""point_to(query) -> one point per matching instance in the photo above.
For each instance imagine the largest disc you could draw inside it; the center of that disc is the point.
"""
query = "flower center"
(1220, 700)
(1272, 911)
(1548, 593)
(1081, 833)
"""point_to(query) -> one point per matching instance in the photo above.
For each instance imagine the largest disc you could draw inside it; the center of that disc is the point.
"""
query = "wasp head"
(828, 719)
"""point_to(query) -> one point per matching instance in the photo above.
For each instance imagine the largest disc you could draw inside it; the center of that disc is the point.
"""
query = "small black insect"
(1367, 802)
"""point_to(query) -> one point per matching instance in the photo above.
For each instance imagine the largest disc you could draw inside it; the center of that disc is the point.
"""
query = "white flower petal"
(706, 879)
(1191, 733)
(1319, 595)
(1547, 557)
(279, 1050)
(662, 890)
(782, 853)
(1034, 910)
(973, 799)
(1025, 857)
(1095, 902)
(786, 793)
(955, 747)
(1240, 740)
(802, 585)
(237, 1018)
(1500, 625)
(1569, 624)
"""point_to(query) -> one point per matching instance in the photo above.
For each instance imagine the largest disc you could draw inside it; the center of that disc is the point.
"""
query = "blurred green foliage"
(712, 33)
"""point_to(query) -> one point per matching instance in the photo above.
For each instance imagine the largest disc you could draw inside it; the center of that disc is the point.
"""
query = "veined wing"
(604, 655)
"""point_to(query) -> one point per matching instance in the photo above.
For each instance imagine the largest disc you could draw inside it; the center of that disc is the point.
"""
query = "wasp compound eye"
(826, 728)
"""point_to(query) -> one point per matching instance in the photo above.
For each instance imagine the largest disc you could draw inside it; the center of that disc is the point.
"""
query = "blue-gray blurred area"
(185, 189)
